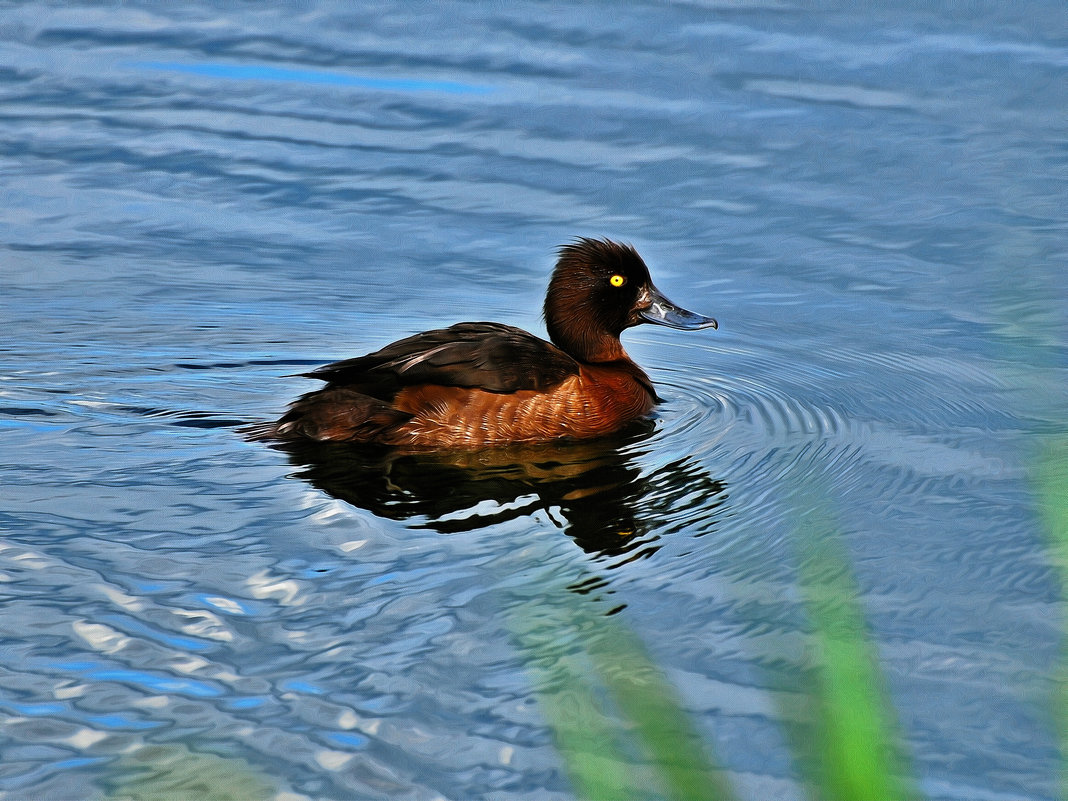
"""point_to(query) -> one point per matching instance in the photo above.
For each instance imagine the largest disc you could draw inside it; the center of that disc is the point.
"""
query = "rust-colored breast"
(597, 401)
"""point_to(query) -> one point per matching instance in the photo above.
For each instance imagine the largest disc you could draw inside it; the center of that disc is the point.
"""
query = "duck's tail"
(331, 414)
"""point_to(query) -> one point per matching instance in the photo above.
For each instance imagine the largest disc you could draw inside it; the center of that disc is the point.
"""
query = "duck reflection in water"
(593, 490)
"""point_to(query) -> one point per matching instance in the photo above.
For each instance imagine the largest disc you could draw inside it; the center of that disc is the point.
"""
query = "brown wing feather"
(489, 356)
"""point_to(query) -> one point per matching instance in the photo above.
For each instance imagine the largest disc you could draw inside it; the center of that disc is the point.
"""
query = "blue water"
(199, 202)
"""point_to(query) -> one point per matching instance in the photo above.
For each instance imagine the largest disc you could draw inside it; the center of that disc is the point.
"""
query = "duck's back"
(490, 356)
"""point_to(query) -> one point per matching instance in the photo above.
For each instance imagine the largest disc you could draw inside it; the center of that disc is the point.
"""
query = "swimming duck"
(475, 385)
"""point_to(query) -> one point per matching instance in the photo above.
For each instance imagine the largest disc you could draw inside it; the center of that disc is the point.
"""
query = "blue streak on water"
(348, 739)
(122, 722)
(261, 72)
(244, 703)
(302, 687)
(174, 640)
(28, 426)
(33, 710)
(159, 684)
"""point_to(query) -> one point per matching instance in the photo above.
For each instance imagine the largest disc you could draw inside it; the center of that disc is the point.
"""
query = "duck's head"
(599, 288)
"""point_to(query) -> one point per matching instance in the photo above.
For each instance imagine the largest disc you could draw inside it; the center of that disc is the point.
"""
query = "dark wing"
(490, 356)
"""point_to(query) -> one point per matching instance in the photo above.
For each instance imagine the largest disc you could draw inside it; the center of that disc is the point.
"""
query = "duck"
(478, 385)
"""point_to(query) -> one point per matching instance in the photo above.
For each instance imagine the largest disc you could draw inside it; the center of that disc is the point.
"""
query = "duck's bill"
(662, 311)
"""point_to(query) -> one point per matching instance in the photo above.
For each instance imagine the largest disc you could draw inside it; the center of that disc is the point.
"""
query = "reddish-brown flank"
(598, 401)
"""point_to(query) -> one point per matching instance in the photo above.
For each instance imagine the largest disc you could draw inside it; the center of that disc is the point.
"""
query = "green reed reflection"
(173, 772)
(621, 730)
(847, 744)
(616, 719)
(1051, 487)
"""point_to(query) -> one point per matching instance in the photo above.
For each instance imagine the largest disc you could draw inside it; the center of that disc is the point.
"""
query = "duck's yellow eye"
(617, 280)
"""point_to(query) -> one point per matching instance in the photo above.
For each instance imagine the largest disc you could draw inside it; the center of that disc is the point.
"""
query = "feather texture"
(489, 356)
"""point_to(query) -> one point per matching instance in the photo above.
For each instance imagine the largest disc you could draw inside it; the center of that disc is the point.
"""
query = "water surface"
(199, 203)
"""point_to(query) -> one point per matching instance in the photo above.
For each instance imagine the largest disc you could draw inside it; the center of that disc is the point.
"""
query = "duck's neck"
(586, 343)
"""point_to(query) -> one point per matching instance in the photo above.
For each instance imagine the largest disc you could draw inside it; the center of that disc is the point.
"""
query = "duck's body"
(485, 384)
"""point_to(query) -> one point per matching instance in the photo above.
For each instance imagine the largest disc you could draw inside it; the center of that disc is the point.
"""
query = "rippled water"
(198, 203)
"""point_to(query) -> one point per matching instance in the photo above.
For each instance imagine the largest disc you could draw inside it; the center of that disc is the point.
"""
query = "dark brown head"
(599, 288)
